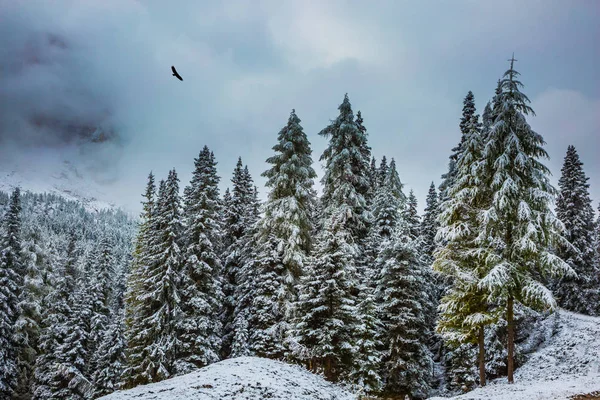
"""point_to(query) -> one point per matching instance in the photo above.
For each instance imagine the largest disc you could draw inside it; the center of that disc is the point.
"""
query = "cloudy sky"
(246, 63)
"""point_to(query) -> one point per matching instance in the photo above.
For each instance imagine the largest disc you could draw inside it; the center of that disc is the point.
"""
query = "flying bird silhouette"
(175, 74)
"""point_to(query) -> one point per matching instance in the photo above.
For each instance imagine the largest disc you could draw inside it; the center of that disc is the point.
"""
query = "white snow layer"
(242, 378)
(564, 365)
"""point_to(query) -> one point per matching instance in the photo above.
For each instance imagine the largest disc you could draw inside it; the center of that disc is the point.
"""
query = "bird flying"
(175, 74)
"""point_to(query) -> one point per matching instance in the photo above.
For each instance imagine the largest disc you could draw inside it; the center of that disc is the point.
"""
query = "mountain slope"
(242, 378)
(53, 175)
(564, 365)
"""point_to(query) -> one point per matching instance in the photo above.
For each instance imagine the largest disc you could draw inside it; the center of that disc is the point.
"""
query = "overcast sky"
(406, 65)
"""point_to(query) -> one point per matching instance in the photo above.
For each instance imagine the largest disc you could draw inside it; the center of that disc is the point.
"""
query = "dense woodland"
(352, 284)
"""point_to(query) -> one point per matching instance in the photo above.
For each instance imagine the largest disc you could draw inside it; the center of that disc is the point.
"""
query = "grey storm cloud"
(68, 67)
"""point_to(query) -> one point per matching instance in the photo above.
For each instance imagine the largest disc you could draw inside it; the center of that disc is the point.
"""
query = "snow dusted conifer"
(110, 358)
(135, 310)
(382, 171)
(200, 329)
(407, 364)
(345, 181)
(97, 292)
(242, 215)
(49, 379)
(574, 209)
(464, 310)
(389, 202)
(365, 373)
(486, 119)
(467, 115)
(284, 238)
(411, 216)
(28, 325)
(327, 315)
(429, 225)
(11, 270)
(160, 297)
(373, 182)
(519, 224)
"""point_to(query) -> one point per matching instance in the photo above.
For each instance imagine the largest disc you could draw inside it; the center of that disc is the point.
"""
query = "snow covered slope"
(242, 378)
(565, 365)
(53, 175)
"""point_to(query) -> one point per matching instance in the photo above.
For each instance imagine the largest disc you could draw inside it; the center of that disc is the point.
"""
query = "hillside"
(566, 364)
(55, 176)
(240, 378)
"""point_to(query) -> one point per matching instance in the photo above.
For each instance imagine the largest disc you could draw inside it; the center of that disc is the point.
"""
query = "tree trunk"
(481, 357)
(511, 339)
(328, 372)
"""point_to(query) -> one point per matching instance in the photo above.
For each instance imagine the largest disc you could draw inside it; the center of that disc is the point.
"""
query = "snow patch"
(242, 378)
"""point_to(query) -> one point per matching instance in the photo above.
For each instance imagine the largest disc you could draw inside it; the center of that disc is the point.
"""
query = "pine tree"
(382, 171)
(110, 358)
(411, 216)
(367, 338)
(11, 271)
(389, 201)
(200, 329)
(327, 323)
(574, 209)
(407, 365)
(97, 296)
(486, 120)
(51, 367)
(242, 215)
(136, 310)
(28, 325)
(519, 225)
(284, 237)
(345, 181)
(464, 310)
(467, 115)
(160, 294)
(430, 224)
(373, 182)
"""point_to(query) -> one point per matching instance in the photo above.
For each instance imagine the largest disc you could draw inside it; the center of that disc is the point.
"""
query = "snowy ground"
(243, 378)
(565, 365)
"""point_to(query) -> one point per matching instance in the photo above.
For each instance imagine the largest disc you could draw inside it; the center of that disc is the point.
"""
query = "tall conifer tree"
(284, 238)
(519, 225)
(11, 271)
(574, 209)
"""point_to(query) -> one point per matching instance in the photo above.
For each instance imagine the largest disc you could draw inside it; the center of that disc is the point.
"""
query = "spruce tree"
(574, 209)
(240, 225)
(160, 296)
(467, 115)
(373, 181)
(382, 171)
(135, 310)
(284, 238)
(389, 201)
(109, 359)
(50, 377)
(407, 365)
(11, 271)
(430, 224)
(98, 287)
(519, 225)
(327, 323)
(464, 310)
(411, 216)
(345, 181)
(200, 330)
